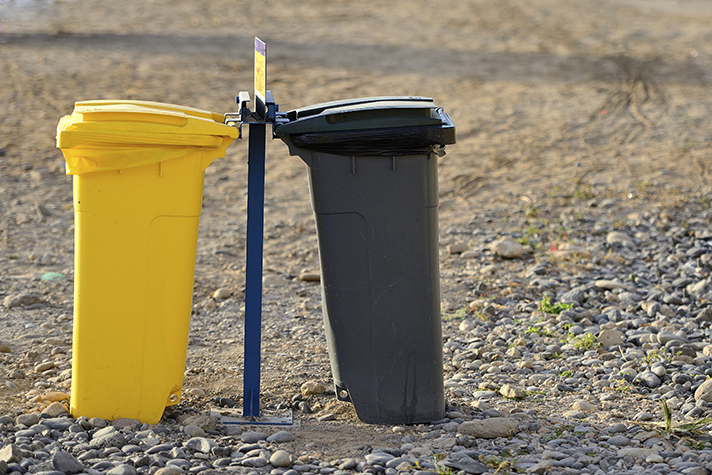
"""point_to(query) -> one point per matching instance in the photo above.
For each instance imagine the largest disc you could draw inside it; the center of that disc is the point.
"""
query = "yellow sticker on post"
(260, 73)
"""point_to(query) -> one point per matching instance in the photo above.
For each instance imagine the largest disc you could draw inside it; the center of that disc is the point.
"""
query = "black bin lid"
(391, 125)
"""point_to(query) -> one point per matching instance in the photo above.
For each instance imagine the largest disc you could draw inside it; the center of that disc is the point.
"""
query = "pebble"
(281, 437)
(312, 388)
(193, 431)
(252, 437)
(66, 463)
(609, 338)
(490, 428)
(704, 391)
(222, 294)
(508, 248)
(201, 444)
(55, 409)
(280, 459)
(21, 300)
(511, 392)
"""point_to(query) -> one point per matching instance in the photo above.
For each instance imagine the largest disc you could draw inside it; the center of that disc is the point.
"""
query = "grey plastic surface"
(377, 225)
(374, 187)
(361, 114)
(319, 108)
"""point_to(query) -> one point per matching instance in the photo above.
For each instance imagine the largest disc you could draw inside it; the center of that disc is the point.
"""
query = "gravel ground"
(567, 323)
(575, 237)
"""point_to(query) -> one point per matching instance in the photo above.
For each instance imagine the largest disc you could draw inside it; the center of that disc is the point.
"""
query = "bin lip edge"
(317, 109)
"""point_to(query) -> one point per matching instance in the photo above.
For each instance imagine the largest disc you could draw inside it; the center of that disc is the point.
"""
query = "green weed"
(459, 315)
(554, 308)
(441, 469)
(587, 341)
(668, 429)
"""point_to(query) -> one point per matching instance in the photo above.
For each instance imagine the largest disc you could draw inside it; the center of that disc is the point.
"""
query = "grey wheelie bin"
(373, 177)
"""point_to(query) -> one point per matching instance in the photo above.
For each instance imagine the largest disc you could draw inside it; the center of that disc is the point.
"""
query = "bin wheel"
(342, 394)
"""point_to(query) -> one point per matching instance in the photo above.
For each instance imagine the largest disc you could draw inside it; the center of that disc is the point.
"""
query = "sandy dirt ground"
(552, 99)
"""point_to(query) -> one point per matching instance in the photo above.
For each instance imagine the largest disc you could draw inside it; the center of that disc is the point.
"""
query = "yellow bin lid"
(115, 135)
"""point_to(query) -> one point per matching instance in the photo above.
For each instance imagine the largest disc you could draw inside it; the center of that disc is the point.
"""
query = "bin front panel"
(378, 244)
(136, 233)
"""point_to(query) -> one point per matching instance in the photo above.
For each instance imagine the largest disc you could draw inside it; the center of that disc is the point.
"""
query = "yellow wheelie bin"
(138, 184)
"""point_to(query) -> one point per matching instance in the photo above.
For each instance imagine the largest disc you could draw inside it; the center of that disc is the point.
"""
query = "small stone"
(195, 392)
(21, 300)
(617, 428)
(281, 458)
(124, 422)
(312, 388)
(643, 416)
(55, 396)
(508, 248)
(309, 276)
(204, 422)
(326, 417)
(619, 440)
(658, 369)
(58, 423)
(348, 464)
(704, 316)
(583, 406)
(511, 392)
(67, 463)
(379, 458)
(664, 337)
(610, 337)
(613, 285)
(457, 248)
(169, 470)
(11, 453)
(221, 294)
(281, 437)
(541, 467)
(567, 250)
(574, 414)
(466, 326)
(55, 409)
(193, 431)
(648, 379)
(636, 452)
(42, 367)
(704, 391)
(620, 238)
(4, 348)
(107, 438)
(123, 469)
(252, 437)
(490, 428)
(201, 444)
(97, 422)
(254, 462)
(28, 419)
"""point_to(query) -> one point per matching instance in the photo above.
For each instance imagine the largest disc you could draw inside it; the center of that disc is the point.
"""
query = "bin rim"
(316, 109)
(362, 114)
(118, 134)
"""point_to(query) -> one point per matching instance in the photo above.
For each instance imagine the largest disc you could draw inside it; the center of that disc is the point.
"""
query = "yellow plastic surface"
(115, 135)
(136, 229)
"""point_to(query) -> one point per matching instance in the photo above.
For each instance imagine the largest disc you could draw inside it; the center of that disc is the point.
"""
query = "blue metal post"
(253, 277)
